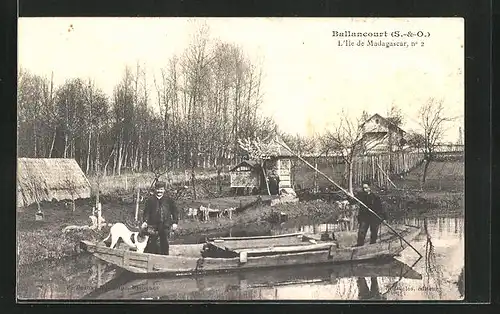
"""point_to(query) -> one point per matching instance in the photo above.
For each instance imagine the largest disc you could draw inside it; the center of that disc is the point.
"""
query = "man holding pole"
(161, 216)
(364, 206)
(366, 219)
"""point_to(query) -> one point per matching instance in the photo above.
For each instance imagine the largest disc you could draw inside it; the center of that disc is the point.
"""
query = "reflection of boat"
(66, 278)
(238, 253)
(371, 292)
(218, 285)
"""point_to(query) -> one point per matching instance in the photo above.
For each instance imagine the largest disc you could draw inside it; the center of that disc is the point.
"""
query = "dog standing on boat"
(120, 231)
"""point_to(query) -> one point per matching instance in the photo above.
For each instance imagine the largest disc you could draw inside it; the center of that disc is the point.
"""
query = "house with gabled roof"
(381, 135)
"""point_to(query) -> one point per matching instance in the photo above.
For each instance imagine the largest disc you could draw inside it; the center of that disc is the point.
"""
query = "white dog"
(130, 238)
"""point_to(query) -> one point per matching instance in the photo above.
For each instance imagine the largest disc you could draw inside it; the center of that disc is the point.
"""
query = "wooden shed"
(47, 179)
(247, 174)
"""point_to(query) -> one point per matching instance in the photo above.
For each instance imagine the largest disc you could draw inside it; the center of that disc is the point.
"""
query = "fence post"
(315, 176)
(137, 204)
(379, 177)
(373, 168)
(99, 215)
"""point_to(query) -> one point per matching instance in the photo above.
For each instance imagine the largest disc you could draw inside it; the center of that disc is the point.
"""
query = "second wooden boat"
(234, 254)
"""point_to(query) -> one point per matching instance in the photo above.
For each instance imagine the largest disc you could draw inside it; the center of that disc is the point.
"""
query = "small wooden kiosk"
(281, 162)
(246, 177)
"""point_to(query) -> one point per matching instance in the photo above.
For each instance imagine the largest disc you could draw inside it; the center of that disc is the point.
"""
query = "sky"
(308, 78)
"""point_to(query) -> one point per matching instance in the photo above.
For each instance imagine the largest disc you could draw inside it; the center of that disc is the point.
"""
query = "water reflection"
(438, 275)
(460, 283)
(68, 278)
(369, 293)
(323, 281)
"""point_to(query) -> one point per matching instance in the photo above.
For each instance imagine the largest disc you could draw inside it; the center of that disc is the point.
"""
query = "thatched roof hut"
(47, 179)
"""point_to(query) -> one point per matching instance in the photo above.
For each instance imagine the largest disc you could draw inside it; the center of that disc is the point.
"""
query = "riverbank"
(80, 276)
(40, 240)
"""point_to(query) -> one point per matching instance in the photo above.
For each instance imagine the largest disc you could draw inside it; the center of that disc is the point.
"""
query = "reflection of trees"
(433, 276)
(346, 289)
(460, 283)
(97, 271)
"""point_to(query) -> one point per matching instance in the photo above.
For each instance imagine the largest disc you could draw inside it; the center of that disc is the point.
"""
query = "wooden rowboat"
(239, 253)
(216, 286)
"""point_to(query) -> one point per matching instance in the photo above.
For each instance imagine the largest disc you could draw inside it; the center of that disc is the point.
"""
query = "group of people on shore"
(161, 217)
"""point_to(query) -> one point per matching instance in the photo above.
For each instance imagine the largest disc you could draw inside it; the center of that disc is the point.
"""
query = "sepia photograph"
(230, 159)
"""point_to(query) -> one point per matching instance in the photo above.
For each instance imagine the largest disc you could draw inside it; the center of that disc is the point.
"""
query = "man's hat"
(367, 182)
(160, 184)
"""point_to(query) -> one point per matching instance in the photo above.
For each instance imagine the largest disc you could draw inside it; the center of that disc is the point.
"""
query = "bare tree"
(208, 96)
(433, 122)
(348, 140)
(34, 100)
(415, 140)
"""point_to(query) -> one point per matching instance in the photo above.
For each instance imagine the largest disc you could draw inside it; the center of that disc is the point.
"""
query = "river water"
(433, 277)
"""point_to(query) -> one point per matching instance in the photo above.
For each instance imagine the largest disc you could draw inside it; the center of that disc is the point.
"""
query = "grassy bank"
(40, 240)
(442, 176)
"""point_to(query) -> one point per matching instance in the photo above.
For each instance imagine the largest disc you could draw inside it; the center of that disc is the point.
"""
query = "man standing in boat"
(160, 216)
(366, 219)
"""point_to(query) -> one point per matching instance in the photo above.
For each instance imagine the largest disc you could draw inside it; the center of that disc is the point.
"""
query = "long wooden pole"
(352, 196)
(378, 165)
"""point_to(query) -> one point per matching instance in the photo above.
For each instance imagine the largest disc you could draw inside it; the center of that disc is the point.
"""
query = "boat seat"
(287, 249)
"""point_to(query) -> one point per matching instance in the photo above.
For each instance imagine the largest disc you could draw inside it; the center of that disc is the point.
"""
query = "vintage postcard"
(240, 159)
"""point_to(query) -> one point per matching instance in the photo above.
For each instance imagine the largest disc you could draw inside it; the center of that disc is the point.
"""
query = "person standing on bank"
(162, 216)
(366, 219)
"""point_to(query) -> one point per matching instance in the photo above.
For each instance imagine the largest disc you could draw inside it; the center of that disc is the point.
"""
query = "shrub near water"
(39, 240)
(37, 245)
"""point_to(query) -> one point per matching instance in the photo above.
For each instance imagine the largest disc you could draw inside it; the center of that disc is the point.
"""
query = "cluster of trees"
(209, 97)
(347, 137)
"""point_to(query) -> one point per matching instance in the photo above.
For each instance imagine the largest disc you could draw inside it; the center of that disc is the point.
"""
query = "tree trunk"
(107, 162)
(426, 167)
(88, 153)
(35, 140)
(219, 179)
(193, 180)
(148, 155)
(65, 145)
(52, 144)
(315, 181)
(350, 175)
(125, 156)
(140, 160)
(119, 158)
(137, 153)
(97, 155)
